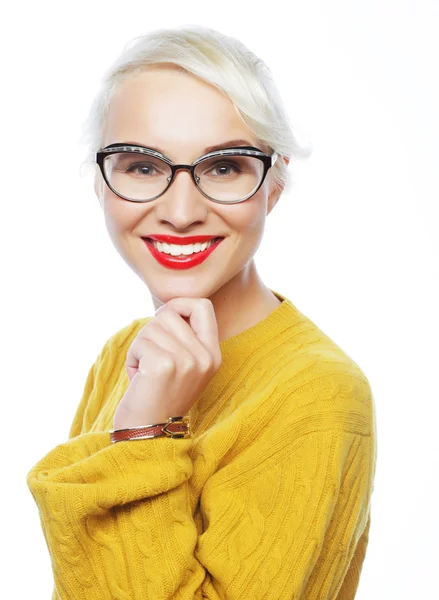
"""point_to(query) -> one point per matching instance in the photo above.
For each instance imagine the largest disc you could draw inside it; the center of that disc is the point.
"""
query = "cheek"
(120, 216)
(249, 218)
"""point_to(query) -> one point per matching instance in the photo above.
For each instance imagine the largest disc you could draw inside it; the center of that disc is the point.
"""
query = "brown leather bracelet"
(176, 427)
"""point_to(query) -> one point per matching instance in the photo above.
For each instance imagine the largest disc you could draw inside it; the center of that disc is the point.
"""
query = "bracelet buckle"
(176, 427)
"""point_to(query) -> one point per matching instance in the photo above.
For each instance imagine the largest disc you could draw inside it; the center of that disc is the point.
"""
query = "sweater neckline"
(279, 319)
(239, 352)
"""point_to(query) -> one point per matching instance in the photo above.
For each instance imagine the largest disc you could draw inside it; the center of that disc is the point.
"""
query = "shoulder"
(322, 385)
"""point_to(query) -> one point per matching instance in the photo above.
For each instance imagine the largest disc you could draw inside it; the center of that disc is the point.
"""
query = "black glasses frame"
(268, 160)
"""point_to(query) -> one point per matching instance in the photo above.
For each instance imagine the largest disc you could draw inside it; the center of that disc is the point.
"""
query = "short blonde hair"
(218, 59)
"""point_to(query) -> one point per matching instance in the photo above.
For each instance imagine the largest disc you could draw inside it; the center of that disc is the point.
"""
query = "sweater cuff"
(104, 474)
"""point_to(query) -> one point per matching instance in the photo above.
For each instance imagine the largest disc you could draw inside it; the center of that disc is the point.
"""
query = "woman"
(225, 447)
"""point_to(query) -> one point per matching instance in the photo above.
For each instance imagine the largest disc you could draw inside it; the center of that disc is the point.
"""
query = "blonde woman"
(224, 447)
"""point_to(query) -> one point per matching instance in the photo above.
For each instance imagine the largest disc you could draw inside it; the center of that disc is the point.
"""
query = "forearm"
(114, 516)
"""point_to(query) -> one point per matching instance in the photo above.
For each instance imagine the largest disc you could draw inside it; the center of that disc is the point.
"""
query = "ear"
(275, 192)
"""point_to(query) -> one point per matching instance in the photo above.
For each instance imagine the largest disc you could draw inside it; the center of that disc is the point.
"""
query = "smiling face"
(183, 115)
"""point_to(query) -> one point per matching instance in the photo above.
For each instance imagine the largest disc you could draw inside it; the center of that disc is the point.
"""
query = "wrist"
(174, 427)
(126, 421)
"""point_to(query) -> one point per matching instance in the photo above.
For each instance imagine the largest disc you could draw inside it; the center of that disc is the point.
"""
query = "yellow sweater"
(269, 499)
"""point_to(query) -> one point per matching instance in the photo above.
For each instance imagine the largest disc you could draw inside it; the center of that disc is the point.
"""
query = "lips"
(183, 261)
(189, 239)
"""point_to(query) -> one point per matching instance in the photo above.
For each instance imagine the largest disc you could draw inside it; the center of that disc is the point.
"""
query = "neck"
(242, 302)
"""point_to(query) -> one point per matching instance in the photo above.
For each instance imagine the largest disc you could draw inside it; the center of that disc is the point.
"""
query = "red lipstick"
(189, 239)
(182, 261)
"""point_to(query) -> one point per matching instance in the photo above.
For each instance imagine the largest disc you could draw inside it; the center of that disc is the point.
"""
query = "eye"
(141, 168)
(223, 166)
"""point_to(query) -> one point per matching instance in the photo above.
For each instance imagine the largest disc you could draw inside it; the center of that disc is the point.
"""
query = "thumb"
(167, 306)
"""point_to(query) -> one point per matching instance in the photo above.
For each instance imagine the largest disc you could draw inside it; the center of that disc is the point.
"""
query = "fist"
(169, 363)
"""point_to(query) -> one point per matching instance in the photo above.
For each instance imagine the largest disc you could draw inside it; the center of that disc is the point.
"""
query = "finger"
(142, 354)
(176, 326)
(202, 320)
(136, 349)
(153, 359)
(166, 341)
(165, 307)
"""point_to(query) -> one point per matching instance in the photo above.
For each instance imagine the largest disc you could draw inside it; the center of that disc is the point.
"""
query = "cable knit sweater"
(269, 499)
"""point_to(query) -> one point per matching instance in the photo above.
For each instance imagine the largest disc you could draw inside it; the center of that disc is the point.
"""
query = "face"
(173, 110)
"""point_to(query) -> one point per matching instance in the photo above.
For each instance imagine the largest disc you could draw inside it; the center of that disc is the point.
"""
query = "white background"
(354, 244)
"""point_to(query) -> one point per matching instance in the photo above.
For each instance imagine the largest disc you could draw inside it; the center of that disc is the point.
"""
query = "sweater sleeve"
(102, 544)
(291, 526)
(116, 517)
(118, 522)
(281, 515)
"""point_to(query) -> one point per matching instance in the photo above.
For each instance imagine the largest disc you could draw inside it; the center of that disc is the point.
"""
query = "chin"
(190, 288)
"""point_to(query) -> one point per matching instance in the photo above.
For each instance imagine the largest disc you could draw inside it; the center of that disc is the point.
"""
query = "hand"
(169, 363)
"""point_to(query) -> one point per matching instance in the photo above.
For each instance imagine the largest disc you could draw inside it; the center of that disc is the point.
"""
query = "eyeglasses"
(140, 174)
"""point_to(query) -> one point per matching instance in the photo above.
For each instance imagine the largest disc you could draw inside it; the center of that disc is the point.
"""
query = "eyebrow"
(227, 144)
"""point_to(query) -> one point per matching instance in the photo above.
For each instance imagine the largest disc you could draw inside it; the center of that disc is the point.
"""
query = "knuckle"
(168, 317)
(188, 362)
(206, 362)
(146, 327)
(167, 363)
(152, 330)
(217, 361)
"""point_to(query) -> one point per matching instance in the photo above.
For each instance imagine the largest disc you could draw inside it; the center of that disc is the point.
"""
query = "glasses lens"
(136, 175)
(139, 176)
(229, 178)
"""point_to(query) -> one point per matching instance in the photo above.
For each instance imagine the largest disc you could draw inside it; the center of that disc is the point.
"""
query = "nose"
(182, 205)
(189, 181)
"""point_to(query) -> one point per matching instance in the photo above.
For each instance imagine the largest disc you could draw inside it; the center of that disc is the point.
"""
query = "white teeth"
(176, 250)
